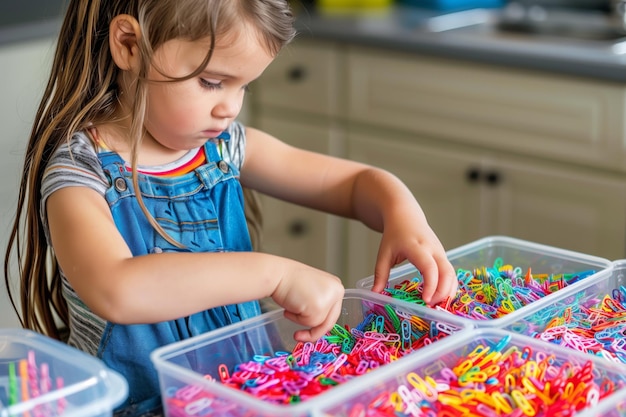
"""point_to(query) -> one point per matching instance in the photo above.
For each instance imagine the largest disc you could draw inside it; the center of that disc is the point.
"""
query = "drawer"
(554, 117)
(305, 77)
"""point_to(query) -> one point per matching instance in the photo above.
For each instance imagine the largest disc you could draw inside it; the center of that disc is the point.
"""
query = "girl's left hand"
(407, 238)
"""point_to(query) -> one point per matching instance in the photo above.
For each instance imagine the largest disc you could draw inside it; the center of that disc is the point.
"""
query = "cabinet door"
(441, 181)
(563, 207)
(567, 119)
(303, 78)
(292, 231)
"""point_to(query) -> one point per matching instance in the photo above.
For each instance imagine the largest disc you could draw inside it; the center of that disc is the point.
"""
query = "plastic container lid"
(42, 377)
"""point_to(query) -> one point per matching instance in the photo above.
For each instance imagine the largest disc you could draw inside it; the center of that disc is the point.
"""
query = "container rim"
(457, 340)
(115, 385)
(565, 254)
(160, 356)
(192, 343)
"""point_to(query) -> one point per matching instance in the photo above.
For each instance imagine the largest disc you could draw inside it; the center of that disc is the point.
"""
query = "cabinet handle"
(297, 73)
(298, 228)
(472, 175)
(493, 178)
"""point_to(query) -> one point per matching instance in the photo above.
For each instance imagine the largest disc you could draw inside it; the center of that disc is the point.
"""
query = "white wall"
(24, 70)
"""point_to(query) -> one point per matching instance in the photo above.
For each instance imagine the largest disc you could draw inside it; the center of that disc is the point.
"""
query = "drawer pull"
(298, 228)
(297, 73)
(473, 175)
(493, 178)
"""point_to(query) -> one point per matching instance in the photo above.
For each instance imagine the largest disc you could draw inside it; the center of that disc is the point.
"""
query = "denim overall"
(204, 211)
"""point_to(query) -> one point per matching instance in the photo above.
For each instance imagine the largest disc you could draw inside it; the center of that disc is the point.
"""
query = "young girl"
(131, 209)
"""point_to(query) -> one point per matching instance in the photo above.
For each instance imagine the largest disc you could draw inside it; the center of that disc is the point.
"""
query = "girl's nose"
(229, 107)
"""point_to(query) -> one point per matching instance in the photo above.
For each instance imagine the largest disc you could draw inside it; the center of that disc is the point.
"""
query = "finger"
(430, 273)
(298, 318)
(447, 281)
(445, 290)
(302, 335)
(314, 333)
(383, 265)
(454, 287)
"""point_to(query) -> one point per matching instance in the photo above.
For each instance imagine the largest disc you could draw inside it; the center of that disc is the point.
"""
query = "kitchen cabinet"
(485, 150)
(437, 179)
(293, 231)
(468, 194)
(297, 101)
(573, 120)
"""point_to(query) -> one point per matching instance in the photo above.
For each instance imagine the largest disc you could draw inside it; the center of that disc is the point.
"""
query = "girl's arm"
(354, 190)
(158, 287)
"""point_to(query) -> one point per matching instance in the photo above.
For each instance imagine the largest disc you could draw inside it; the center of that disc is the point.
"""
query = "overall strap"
(107, 157)
(218, 167)
(216, 149)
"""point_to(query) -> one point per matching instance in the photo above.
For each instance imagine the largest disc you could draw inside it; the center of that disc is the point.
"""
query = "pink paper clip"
(61, 402)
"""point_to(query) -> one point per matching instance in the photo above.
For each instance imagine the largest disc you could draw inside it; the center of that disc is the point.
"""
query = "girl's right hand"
(310, 297)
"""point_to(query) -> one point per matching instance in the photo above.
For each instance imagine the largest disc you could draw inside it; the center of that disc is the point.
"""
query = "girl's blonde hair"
(82, 91)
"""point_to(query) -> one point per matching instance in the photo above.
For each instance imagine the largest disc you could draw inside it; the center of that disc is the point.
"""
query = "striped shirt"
(76, 164)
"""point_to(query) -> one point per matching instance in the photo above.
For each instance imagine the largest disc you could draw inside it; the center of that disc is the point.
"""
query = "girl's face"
(182, 115)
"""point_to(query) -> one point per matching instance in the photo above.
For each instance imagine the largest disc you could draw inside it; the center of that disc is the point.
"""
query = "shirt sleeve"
(237, 144)
(73, 164)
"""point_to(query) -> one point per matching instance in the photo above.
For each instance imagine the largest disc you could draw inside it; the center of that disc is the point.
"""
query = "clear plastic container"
(42, 377)
(536, 321)
(193, 366)
(614, 406)
(451, 352)
(518, 253)
(538, 318)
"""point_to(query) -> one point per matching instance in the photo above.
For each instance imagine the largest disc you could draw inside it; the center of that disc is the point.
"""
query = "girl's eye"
(209, 84)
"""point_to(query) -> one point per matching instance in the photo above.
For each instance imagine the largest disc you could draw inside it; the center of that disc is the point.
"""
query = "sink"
(515, 20)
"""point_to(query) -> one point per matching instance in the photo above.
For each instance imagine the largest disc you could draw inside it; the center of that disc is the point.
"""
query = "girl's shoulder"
(80, 144)
(74, 161)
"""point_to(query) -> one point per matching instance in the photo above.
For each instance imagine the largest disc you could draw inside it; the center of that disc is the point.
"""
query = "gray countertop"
(24, 20)
(46, 28)
(403, 29)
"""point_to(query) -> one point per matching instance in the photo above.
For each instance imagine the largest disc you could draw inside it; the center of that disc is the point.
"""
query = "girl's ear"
(124, 34)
